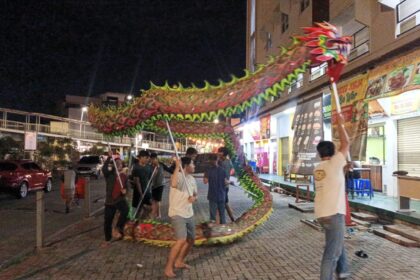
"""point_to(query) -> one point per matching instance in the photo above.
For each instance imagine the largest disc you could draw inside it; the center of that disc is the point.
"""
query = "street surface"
(282, 248)
(18, 218)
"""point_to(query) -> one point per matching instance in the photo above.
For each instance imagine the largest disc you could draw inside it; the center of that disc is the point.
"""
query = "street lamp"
(84, 109)
(216, 121)
(129, 97)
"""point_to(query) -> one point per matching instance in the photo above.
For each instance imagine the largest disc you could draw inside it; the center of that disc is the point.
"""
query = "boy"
(182, 194)
(114, 199)
(217, 180)
(157, 185)
(330, 204)
(226, 164)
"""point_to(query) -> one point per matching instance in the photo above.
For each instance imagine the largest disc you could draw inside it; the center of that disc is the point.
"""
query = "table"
(408, 187)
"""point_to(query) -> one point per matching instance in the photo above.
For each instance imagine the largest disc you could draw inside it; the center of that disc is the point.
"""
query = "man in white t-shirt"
(330, 203)
(182, 195)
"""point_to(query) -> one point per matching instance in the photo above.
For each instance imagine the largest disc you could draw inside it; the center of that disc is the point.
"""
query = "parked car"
(22, 176)
(202, 162)
(90, 166)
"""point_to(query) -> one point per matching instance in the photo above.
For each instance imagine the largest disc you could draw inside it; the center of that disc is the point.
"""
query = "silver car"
(90, 166)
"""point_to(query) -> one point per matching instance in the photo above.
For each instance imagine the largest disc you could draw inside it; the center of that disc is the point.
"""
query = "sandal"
(361, 254)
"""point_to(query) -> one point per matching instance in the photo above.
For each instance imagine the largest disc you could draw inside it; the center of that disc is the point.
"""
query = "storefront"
(382, 115)
(394, 138)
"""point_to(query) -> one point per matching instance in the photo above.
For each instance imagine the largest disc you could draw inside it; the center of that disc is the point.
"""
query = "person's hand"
(192, 199)
(123, 191)
(340, 119)
(177, 163)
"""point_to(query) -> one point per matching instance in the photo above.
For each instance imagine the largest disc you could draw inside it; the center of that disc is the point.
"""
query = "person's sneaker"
(344, 275)
(67, 210)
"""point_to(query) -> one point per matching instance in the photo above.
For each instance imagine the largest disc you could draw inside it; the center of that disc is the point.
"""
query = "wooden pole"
(40, 219)
(87, 204)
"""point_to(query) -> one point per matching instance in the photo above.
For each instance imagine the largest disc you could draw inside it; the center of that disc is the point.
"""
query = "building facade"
(384, 49)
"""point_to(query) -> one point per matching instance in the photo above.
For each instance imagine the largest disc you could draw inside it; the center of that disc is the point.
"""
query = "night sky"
(58, 47)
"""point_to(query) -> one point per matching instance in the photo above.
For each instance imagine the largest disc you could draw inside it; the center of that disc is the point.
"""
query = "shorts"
(157, 193)
(137, 198)
(184, 227)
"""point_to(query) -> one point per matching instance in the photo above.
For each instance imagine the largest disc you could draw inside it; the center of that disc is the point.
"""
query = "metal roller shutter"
(409, 145)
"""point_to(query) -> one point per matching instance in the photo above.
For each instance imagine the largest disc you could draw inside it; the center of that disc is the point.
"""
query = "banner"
(30, 141)
(355, 110)
(308, 132)
(399, 75)
(265, 127)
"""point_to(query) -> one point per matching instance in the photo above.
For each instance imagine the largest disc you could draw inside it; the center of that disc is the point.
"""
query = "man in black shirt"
(141, 176)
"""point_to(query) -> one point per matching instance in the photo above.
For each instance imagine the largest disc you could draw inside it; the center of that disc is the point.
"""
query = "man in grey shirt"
(227, 165)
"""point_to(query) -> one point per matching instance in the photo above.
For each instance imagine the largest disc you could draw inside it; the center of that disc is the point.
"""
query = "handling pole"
(349, 222)
(177, 156)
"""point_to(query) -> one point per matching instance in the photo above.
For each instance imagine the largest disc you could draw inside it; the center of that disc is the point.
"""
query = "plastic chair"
(253, 165)
(363, 186)
(350, 185)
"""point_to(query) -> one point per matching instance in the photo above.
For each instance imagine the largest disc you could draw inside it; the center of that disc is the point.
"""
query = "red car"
(22, 176)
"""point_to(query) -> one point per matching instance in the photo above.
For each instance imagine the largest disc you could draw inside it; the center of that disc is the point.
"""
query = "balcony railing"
(360, 44)
(318, 71)
(408, 16)
(77, 130)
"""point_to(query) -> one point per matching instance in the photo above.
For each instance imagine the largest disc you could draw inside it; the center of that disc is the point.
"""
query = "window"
(375, 150)
(296, 84)
(360, 43)
(303, 5)
(284, 22)
(318, 71)
(26, 166)
(6, 166)
(34, 166)
(268, 42)
(408, 16)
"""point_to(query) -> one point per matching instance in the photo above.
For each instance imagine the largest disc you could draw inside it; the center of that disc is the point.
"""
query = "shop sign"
(265, 127)
(408, 102)
(326, 106)
(308, 132)
(355, 110)
(30, 141)
(397, 76)
(254, 130)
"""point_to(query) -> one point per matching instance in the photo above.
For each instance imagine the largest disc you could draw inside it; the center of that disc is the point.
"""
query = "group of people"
(148, 184)
(147, 178)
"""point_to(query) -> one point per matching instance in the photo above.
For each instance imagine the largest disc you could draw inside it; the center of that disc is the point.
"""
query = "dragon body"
(191, 110)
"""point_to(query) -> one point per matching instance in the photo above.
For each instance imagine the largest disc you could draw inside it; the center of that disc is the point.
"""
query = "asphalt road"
(18, 218)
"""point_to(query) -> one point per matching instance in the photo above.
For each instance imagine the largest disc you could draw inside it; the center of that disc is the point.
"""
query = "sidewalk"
(281, 248)
(382, 205)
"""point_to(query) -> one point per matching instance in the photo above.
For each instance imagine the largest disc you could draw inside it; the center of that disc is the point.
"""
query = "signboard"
(408, 102)
(355, 110)
(265, 127)
(30, 141)
(399, 75)
(308, 132)
(326, 106)
(59, 127)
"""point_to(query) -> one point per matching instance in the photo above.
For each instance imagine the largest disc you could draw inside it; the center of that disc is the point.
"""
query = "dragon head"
(325, 44)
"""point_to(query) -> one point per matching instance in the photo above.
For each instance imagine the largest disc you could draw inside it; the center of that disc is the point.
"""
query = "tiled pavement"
(282, 248)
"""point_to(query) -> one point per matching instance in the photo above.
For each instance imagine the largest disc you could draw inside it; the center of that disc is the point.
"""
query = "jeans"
(109, 216)
(334, 257)
(217, 205)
